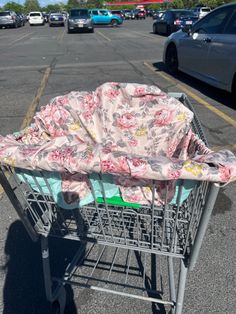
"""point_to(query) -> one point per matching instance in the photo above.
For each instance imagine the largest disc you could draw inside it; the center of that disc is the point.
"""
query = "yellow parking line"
(216, 111)
(101, 34)
(219, 147)
(145, 35)
(32, 108)
(25, 35)
(61, 36)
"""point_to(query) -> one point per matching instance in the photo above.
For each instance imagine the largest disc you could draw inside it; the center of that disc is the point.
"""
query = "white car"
(36, 18)
(201, 11)
(207, 51)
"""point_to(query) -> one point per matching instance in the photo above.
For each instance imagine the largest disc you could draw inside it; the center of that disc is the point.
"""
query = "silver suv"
(9, 19)
(79, 20)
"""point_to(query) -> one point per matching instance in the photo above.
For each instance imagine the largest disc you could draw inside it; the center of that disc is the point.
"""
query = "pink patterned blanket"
(135, 132)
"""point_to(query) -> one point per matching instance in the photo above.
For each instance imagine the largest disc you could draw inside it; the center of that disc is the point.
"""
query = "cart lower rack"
(119, 243)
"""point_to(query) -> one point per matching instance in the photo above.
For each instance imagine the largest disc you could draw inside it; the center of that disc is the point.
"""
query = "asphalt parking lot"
(38, 63)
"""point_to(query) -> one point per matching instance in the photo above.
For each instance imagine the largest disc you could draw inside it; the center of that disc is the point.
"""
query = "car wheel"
(171, 59)
(68, 31)
(154, 28)
(114, 23)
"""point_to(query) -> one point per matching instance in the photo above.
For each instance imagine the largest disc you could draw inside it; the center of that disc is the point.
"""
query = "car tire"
(154, 28)
(114, 23)
(171, 59)
(68, 31)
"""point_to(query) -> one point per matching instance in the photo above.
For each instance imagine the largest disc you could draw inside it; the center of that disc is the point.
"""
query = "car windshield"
(183, 13)
(79, 13)
(35, 14)
(4, 13)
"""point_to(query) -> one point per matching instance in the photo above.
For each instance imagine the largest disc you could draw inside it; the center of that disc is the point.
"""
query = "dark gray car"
(169, 21)
(79, 20)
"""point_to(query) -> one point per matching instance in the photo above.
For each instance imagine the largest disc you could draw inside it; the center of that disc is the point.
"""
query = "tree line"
(33, 5)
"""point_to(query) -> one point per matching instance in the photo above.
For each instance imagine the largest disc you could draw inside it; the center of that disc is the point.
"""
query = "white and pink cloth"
(135, 132)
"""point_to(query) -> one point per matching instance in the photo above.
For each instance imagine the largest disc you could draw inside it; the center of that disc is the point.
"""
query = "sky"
(41, 2)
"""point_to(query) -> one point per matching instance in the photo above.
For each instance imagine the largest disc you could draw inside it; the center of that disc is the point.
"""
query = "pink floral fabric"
(135, 132)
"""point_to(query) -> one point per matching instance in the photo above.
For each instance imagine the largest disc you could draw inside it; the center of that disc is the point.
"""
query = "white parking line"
(104, 36)
(20, 38)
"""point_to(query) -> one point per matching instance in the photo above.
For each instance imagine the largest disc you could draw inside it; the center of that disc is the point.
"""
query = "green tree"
(72, 4)
(32, 5)
(18, 8)
(95, 3)
(53, 8)
(177, 4)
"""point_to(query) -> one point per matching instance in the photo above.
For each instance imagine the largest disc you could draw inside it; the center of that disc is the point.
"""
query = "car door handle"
(207, 40)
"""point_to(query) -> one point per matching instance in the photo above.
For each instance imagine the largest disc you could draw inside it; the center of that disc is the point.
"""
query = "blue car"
(105, 17)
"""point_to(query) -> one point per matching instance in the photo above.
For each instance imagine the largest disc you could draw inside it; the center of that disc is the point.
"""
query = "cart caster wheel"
(56, 309)
(58, 306)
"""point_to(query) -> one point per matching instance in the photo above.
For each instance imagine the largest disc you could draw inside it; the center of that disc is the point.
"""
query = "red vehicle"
(140, 14)
(119, 13)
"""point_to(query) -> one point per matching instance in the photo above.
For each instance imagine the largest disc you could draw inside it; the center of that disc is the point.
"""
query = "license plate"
(189, 22)
(81, 25)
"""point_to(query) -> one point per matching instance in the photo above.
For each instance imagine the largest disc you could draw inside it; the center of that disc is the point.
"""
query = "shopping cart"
(119, 242)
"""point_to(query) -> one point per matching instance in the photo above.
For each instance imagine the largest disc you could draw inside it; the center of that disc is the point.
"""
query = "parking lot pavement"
(39, 63)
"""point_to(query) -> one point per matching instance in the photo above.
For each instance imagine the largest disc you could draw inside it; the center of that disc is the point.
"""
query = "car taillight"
(177, 22)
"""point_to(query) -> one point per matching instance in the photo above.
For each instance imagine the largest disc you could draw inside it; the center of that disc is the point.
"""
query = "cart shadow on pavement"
(216, 94)
(24, 291)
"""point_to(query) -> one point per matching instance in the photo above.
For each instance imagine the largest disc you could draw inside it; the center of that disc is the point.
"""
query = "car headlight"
(71, 20)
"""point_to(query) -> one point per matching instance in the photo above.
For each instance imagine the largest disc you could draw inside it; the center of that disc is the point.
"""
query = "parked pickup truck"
(102, 16)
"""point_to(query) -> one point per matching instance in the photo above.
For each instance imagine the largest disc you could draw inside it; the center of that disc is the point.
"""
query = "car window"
(163, 17)
(182, 13)
(168, 16)
(103, 12)
(231, 27)
(76, 13)
(4, 13)
(205, 9)
(214, 22)
(94, 12)
(35, 14)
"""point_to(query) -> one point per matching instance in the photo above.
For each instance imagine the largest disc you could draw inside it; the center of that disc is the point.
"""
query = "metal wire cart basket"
(118, 238)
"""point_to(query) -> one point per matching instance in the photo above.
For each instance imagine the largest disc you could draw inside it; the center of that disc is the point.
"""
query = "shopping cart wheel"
(58, 306)
(55, 308)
